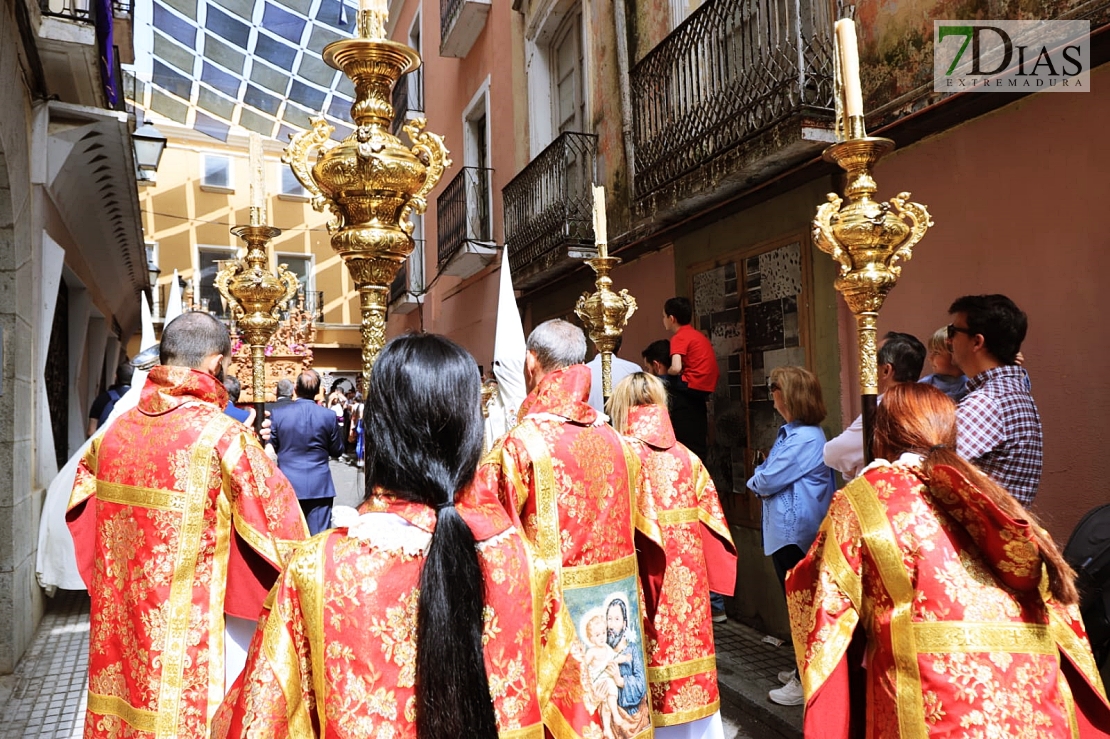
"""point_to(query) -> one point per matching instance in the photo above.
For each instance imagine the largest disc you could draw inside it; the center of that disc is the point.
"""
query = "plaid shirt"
(999, 430)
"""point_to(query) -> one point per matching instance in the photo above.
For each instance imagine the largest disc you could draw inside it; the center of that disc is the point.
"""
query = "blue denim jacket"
(796, 487)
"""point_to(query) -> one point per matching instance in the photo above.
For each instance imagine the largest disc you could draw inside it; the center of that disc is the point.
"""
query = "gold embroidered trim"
(962, 636)
(161, 500)
(682, 669)
(604, 572)
(1076, 649)
(682, 717)
(217, 620)
(883, 546)
(847, 578)
(677, 516)
(534, 731)
(180, 602)
(307, 573)
(139, 719)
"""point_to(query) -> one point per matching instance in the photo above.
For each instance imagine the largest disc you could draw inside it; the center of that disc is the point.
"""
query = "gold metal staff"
(256, 297)
(867, 238)
(371, 182)
(604, 312)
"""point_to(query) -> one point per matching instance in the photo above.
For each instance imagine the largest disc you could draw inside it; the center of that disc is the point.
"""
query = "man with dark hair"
(657, 358)
(568, 482)
(693, 366)
(305, 436)
(181, 525)
(900, 359)
(106, 401)
(999, 428)
(618, 370)
(234, 388)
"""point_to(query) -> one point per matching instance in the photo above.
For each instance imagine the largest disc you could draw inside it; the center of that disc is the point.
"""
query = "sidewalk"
(748, 667)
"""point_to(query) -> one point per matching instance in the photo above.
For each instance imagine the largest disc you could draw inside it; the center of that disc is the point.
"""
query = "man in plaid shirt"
(999, 428)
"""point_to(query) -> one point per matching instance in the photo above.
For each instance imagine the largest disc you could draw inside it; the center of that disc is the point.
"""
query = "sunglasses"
(953, 330)
(772, 387)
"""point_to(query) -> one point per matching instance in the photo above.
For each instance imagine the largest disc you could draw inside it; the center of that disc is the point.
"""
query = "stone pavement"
(45, 696)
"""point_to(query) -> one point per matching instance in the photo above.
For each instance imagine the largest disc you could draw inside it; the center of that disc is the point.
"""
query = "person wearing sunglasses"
(794, 485)
(999, 425)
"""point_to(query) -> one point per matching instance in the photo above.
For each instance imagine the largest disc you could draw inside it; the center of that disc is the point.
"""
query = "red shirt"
(699, 363)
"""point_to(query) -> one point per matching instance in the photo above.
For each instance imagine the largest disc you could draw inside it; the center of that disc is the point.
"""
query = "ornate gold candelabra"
(256, 297)
(371, 182)
(868, 239)
(605, 314)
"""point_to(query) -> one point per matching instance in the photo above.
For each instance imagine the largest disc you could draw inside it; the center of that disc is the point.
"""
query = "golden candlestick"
(868, 239)
(256, 298)
(605, 314)
(371, 182)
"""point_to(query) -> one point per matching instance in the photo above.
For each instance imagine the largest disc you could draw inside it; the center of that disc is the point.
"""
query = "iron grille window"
(400, 284)
(549, 204)
(408, 96)
(448, 13)
(731, 70)
(463, 212)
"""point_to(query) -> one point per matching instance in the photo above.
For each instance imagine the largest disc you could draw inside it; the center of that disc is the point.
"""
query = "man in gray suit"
(304, 436)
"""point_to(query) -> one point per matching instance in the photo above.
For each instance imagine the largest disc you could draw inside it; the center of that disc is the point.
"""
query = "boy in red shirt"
(694, 365)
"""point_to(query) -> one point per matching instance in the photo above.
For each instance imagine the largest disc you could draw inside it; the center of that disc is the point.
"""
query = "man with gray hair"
(568, 482)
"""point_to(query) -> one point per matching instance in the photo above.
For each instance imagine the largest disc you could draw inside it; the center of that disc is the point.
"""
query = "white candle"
(599, 220)
(258, 182)
(375, 6)
(849, 67)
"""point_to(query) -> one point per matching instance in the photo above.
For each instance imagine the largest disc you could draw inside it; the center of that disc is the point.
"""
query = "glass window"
(210, 298)
(216, 171)
(301, 266)
(290, 185)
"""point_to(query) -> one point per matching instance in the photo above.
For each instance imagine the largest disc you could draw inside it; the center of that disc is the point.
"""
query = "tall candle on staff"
(258, 182)
(599, 221)
(372, 17)
(849, 67)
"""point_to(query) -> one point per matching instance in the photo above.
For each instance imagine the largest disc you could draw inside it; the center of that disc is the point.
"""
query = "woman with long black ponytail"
(417, 613)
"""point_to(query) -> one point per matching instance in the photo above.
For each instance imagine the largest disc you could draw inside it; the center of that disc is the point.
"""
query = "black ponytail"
(423, 431)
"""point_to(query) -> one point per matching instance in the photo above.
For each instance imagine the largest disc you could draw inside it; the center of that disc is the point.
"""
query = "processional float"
(867, 238)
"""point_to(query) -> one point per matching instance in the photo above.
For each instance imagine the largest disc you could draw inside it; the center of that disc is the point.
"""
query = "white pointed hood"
(508, 344)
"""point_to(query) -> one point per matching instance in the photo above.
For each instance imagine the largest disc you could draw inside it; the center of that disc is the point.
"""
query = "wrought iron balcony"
(460, 23)
(740, 90)
(408, 99)
(549, 209)
(400, 284)
(465, 223)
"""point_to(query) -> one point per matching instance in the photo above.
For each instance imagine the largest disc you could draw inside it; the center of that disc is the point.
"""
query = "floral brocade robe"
(962, 637)
(568, 481)
(678, 501)
(178, 517)
(336, 654)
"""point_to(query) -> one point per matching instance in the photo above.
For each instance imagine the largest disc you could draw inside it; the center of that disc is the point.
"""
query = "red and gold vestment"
(178, 517)
(568, 482)
(335, 655)
(949, 596)
(679, 502)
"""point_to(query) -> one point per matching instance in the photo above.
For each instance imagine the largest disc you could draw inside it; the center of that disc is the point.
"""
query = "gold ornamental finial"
(371, 182)
(868, 239)
(604, 312)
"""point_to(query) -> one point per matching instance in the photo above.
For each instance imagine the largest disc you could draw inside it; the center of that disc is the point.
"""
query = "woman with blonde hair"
(958, 605)
(794, 485)
(678, 508)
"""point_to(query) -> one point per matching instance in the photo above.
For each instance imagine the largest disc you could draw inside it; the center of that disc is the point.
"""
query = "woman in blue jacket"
(794, 485)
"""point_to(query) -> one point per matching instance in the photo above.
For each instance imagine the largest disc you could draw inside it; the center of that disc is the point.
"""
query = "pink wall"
(1018, 198)
(650, 279)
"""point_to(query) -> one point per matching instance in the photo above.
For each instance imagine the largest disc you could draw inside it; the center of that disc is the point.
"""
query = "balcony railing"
(400, 284)
(463, 213)
(408, 97)
(549, 206)
(74, 10)
(460, 23)
(732, 70)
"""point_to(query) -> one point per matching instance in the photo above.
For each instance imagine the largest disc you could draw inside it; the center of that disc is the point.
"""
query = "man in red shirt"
(694, 364)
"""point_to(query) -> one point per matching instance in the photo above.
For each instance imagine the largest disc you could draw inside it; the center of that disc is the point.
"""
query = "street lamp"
(149, 145)
(152, 272)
